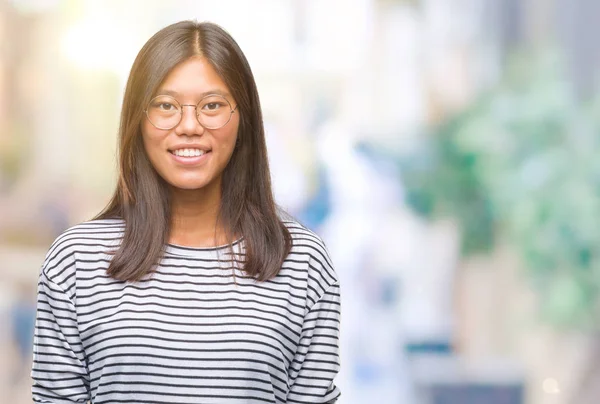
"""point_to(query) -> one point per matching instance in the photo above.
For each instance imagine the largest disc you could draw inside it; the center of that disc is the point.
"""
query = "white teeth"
(188, 152)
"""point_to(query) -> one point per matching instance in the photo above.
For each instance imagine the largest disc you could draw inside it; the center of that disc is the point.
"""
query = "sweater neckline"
(177, 249)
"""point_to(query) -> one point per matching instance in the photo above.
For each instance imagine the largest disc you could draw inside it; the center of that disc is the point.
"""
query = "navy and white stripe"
(197, 331)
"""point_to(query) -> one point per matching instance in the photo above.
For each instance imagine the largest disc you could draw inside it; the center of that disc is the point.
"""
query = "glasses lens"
(214, 111)
(164, 112)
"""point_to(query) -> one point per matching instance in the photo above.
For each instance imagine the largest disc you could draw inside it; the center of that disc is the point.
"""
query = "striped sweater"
(197, 331)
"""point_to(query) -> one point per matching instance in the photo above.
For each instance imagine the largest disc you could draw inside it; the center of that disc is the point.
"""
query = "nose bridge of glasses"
(189, 105)
(196, 111)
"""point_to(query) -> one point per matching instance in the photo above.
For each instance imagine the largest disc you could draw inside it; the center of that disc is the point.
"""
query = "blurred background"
(446, 151)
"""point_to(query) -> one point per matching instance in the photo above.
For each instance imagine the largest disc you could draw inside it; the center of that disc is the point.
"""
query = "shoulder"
(91, 237)
(306, 240)
(309, 247)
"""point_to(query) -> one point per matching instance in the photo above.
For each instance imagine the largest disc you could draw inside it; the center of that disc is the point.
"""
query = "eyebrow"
(202, 95)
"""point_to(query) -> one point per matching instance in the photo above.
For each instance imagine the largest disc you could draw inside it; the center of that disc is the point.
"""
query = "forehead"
(193, 77)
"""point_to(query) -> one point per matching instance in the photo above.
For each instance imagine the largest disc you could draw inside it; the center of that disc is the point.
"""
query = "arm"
(317, 361)
(59, 370)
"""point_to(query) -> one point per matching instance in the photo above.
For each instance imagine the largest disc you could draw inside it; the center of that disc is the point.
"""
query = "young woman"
(191, 286)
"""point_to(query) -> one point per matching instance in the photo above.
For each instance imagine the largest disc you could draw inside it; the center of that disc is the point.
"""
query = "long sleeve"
(59, 369)
(317, 361)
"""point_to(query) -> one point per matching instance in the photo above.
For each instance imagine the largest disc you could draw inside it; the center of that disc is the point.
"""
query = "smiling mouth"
(189, 152)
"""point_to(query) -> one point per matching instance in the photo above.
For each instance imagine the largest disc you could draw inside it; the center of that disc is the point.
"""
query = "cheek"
(226, 140)
(152, 146)
(151, 140)
(233, 134)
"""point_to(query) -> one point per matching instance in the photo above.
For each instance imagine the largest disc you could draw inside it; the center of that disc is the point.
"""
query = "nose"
(189, 124)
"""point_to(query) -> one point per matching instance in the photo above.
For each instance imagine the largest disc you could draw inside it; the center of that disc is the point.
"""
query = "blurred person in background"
(191, 285)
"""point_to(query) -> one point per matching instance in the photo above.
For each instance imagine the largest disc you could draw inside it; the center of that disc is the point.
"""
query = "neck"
(194, 215)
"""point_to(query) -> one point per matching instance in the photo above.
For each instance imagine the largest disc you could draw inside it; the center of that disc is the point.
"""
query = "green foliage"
(523, 163)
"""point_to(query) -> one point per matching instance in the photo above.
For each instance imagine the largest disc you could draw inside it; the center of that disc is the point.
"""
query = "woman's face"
(189, 156)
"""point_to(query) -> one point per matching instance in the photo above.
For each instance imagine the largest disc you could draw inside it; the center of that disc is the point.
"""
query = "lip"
(191, 161)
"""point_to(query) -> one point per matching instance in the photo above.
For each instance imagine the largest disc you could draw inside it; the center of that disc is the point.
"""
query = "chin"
(193, 181)
(188, 186)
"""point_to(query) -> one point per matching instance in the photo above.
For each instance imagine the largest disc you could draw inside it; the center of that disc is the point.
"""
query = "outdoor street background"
(445, 150)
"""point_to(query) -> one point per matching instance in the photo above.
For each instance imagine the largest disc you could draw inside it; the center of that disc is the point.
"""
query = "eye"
(165, 106)
(212, 106)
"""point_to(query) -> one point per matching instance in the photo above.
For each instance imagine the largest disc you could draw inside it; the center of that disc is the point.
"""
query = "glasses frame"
(231, 111)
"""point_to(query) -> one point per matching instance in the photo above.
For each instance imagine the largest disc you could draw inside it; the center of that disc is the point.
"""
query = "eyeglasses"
(165, 112)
